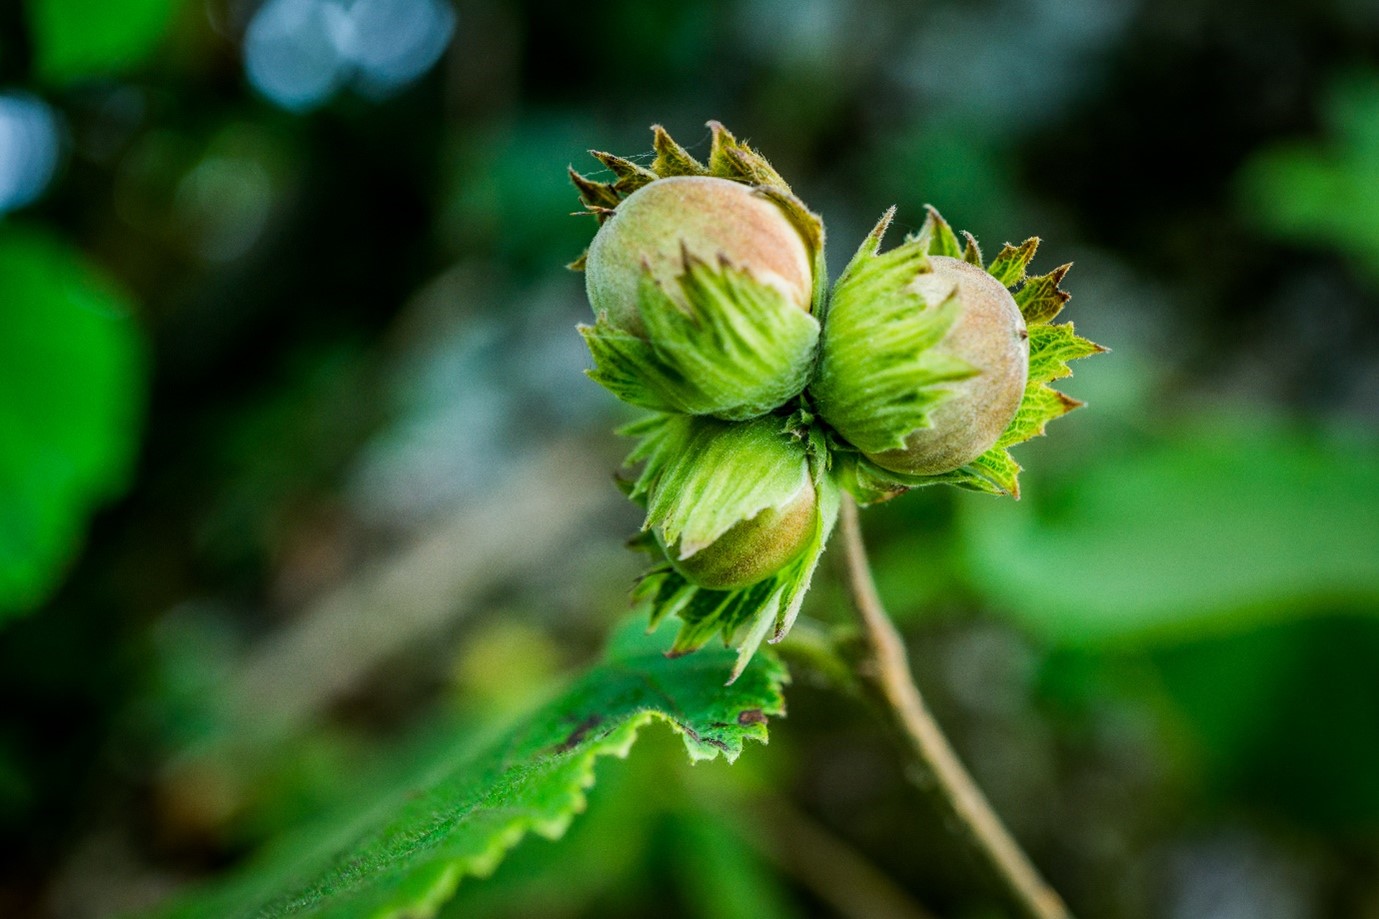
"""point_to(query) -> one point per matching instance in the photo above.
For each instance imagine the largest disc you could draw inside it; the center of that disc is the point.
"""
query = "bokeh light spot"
(29, 149)
(392, 42)
(291, 53)
(299, 53)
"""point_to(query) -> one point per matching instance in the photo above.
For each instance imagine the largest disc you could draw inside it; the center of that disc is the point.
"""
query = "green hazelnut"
(753, 548)
(989, 334)
(703, 217)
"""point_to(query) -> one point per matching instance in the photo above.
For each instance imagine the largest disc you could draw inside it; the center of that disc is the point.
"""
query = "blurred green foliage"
(81, 39)
(1225, 525)
(71, 406)
(1326, 194)
(1282, 717)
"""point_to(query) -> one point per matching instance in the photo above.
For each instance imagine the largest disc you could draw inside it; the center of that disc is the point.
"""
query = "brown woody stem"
(885, 672)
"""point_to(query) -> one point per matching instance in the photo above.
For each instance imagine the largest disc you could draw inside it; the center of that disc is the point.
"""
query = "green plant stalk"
(886, 678)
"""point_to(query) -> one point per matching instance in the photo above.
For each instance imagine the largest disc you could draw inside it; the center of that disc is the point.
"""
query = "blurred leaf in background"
(1281, 718)
(1326, 193)
(82, 39)
(71, 404)
(1224, 575)
(1216, 527)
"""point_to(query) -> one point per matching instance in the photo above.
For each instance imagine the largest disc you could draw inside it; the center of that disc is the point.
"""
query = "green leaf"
(583, 873)
(720, 344)
(80, 39)
(1215, 528)
(71, 399)
(458, 816)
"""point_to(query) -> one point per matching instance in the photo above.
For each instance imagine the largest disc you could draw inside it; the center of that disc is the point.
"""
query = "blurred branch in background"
(396, 603)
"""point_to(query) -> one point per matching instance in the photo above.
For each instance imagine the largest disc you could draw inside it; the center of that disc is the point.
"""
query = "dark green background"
(296, 457)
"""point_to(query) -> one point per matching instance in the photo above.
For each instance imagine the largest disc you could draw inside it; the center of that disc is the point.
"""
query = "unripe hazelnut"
(753, 548)
(706, 218)
(989, 334)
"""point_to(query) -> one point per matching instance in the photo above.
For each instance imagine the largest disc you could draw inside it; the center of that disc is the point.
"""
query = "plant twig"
(887, 676)
(825, 865)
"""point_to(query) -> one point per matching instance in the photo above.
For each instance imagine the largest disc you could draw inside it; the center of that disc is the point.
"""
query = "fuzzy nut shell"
(989, 334)
(752, 549)
(705, 216)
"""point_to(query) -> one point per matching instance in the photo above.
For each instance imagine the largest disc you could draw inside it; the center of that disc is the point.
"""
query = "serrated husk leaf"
(624, 364)
(867, 482)
(971, 251)
(1040, 405)
(1010, 263)
(671, 158)
(702, 476)
(729, 158)
(720, 344)
(936, 237)
(1040, 299)
(745, 617)
(879, 375)
(1051, 347)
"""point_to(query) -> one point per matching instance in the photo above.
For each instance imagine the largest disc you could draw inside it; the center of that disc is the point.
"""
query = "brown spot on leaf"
(751, 716)
(578, 734)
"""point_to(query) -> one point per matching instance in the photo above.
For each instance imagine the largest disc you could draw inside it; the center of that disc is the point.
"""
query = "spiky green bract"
(453, 812)
(720, 343)
(703, 476)
(1051, 347)
(880, 375)
(695, 469)
(744, 617)
(729, 158)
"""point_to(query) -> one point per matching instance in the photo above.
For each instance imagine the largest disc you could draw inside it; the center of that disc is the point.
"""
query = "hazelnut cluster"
(772, 392)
